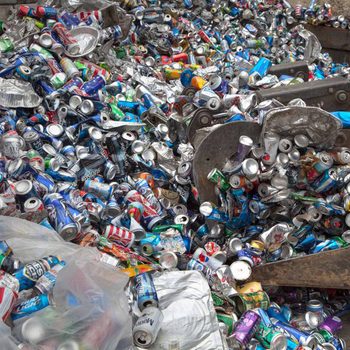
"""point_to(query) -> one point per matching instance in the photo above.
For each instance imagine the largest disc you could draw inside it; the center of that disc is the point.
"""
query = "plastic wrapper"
(189, 317)
(89, 303)
(15, 93)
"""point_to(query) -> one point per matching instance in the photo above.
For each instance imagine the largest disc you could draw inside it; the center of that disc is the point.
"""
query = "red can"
(180, 57)
(119, 235)
(68, 40)
(211, 248)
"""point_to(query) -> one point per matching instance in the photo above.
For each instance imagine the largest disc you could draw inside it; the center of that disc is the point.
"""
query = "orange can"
(198, 82)
(148, 177)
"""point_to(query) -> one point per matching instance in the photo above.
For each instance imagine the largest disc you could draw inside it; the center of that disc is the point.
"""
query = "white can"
(147, 327)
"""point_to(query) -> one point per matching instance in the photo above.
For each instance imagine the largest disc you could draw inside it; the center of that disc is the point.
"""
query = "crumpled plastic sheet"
(189, 316)
(89, 297)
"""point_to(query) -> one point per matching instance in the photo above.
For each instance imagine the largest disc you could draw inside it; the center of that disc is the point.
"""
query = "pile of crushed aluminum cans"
(96, 100)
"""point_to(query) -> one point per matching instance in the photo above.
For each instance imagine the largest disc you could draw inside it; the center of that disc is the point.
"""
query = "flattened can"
(245, 328)
(147, 327)
(145, 291)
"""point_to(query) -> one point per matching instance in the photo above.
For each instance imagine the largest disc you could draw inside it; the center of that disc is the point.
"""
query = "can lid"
(250, 167)
(246, 141)
(75, 101)
(241, 270)
(235, 245)
(33, 331)
(30, 136)
(32, 203)
(301, 140)
(313, 319)
(69, 232)
(87, 107)
(95, 134)
(314, 305)
(69, 345)
(128, 136)
(54, 130)
(181, 219)
(179, 209)
(168, 260)
(278, 342)
(142, 338)
(206, 208)
(138, 146)
(23, 187)
(49, 149)
(184, 169)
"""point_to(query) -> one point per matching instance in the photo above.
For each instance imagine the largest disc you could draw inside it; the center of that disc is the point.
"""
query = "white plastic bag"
(89, 307)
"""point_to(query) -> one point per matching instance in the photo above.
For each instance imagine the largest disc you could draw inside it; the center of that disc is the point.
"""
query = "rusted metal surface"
(329, 269)
(215, 149)
(330, 94)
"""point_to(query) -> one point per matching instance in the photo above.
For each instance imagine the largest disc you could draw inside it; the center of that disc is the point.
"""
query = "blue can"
(188, 4)
(48, 89)
(30, 306)
(127, 106)
(141, 110)
(145, 291)
(274, 311)
(31, 272)
(202, 230)
(186, 77)
(306, 243)
(69, 20)
(326, 181)
(295, 334)
(60, 218)
(101, 190)
(45, 183)
(71, 84)
(262, 67)
(61, 176)
(147, 100)
(193, 264)
(94, 85)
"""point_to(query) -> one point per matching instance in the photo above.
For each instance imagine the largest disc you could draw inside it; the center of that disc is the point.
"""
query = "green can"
(269, 338)
(120, 52)
(217, 300)
(3, 27)
(6, 45)
(323, 336)
(117, 113)
(163, 228)
(249, 301)
(217, 177)
(228, 320)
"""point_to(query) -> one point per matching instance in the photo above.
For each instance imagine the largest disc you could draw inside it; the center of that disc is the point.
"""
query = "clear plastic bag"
(89, 307)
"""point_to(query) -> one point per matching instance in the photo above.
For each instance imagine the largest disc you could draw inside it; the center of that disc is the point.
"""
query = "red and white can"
(119, 235)
(211, 248)
(7, 301)
(68, 40)
(33, 204)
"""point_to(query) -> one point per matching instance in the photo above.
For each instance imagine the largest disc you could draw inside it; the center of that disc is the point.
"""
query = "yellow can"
(198, 82)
